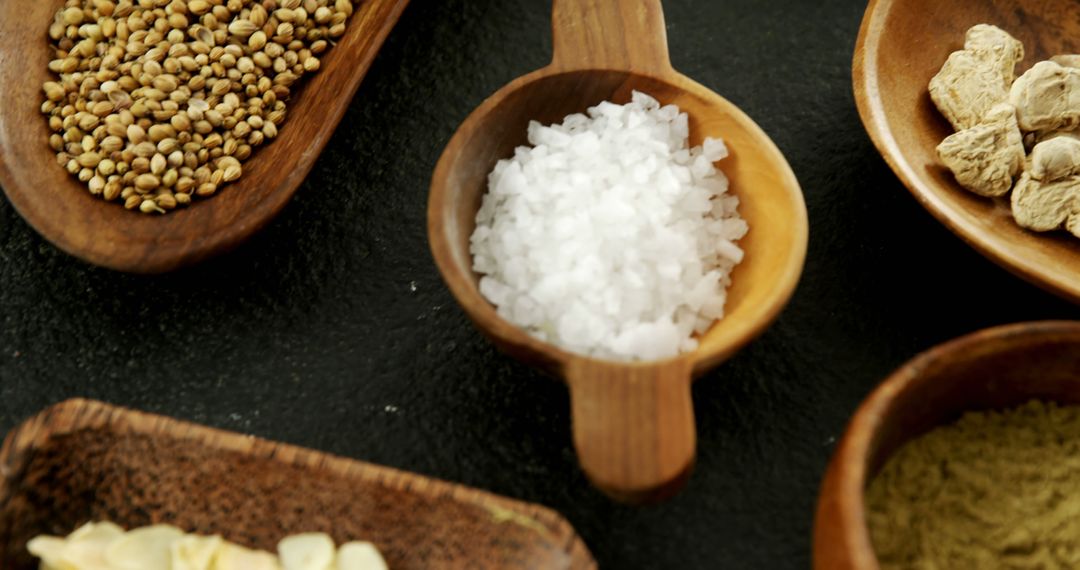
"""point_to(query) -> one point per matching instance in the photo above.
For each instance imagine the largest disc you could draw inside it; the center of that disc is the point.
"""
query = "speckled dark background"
(333, 330)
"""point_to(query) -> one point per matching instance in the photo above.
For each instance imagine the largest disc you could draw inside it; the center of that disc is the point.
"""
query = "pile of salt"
(609, 237)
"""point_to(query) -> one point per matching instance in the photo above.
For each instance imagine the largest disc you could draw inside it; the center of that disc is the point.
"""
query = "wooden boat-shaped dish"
(83, 460)
(901, 45)
(103, 233)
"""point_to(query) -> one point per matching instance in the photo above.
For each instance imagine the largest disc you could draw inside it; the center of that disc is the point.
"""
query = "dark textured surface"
(332, 329)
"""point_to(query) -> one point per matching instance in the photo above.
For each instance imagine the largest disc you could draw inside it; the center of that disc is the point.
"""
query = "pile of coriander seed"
(157, 101)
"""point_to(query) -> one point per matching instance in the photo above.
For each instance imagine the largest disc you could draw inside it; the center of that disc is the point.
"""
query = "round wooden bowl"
(902, 44)
(994, 369)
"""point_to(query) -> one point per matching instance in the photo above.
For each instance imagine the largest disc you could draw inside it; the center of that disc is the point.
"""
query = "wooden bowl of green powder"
(966, 457)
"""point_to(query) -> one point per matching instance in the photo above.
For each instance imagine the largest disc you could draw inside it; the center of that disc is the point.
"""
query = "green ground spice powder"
(995, 490)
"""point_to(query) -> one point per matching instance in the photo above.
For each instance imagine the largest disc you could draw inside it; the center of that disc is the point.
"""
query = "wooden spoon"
(63, 211)
(633, 423)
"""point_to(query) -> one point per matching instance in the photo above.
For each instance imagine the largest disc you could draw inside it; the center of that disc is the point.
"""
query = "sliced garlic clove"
(233, 557)
(86, 547)
(360, 556)
(195, 552)
(82, 531)
(110, 528)
(144, 549)
(310, 551)
(49, 550)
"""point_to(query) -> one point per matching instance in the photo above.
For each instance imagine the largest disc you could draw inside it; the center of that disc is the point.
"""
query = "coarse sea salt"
(609, 236)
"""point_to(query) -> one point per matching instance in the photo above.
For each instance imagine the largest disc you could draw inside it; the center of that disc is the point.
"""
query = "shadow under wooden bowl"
(994, 369)
(901, 46)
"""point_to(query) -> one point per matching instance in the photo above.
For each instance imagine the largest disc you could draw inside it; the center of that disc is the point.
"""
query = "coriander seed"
(155, 100)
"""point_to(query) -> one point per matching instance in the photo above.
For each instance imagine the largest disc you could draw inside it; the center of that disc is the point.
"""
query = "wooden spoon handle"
(610, 34)
(633, 426)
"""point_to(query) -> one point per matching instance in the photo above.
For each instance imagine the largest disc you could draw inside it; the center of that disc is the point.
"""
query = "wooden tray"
(83, 460)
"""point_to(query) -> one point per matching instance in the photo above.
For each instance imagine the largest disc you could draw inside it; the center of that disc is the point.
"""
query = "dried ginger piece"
(1039, 111)
(976, 79)
(1072, 225)
(1055, 158)
(1047, 197)
(997, 47)
(1047, 97)
(986, 157)
(1031, 140)
(1066, 60)
(1047, 206)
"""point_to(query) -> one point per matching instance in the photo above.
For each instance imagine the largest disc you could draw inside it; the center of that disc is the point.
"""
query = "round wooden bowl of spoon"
(633, 423)
(901, 46)
(61, 209)
(995, 369)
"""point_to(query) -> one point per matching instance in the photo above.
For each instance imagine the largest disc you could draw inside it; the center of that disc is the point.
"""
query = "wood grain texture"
(633, 426)
(61, 209)
(634, 431)
(993, 369)
(901, 46)
(82, 460)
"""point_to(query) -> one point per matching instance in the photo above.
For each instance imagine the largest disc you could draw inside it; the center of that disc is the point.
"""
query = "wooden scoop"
(103, 233)
(633, 423)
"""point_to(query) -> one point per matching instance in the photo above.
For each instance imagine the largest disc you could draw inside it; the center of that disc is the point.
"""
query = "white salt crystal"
(681, 129)
(607, 109)
(667, 183)
(647, 341)
(668, 113)
(553, 137)
(702, 167)
(584, 144)
(714, 149)
(705, 287)
(495, 291)
(609, 236)
(644, 101)
(735, 229)
(730, 251)
(729, 205)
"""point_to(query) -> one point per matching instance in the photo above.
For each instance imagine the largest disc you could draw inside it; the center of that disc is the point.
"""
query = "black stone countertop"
(332, 328)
